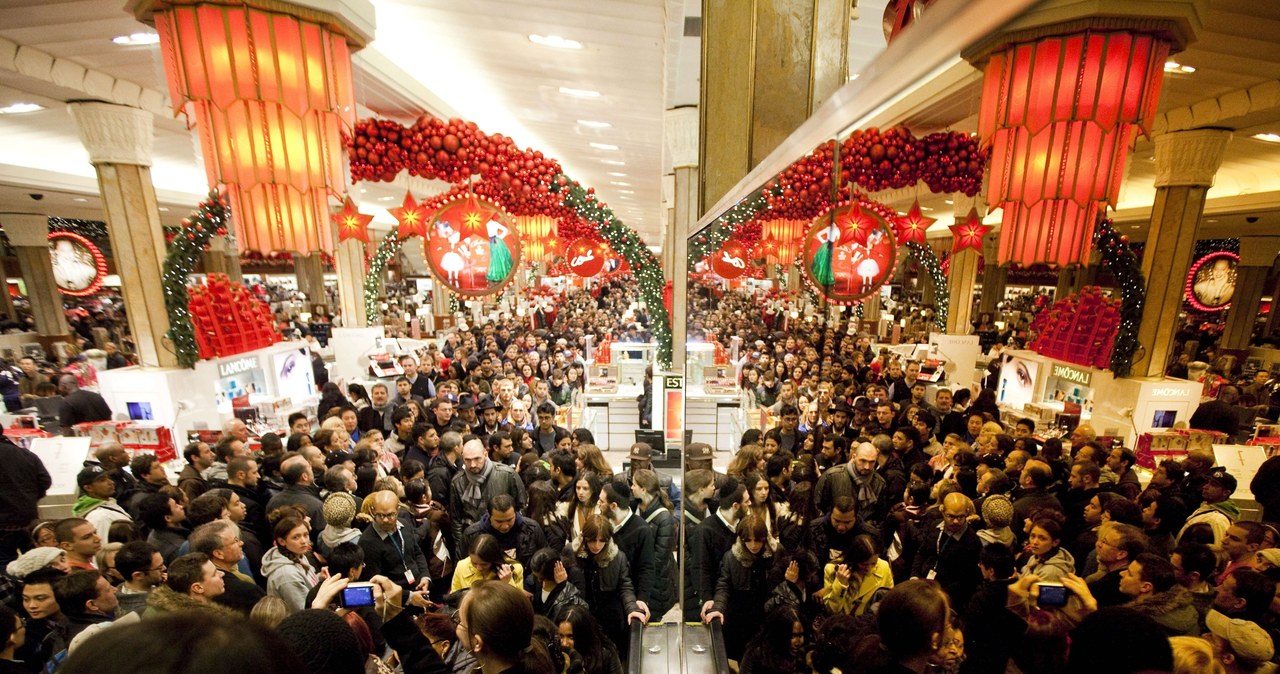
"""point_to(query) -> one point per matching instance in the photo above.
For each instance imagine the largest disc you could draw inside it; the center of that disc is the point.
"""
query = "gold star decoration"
(352, 224)
(968, 234)
(411, 216)
(912, 226)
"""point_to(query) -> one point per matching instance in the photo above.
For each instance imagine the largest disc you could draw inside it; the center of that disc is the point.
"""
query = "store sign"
(1167, 392)
(237, 366)
(586, 258)
(1071, 374)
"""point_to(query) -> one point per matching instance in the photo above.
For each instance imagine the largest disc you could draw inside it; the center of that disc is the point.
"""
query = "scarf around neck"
(473, 496)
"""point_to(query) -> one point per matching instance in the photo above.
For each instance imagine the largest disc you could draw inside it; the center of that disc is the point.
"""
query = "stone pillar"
(310, 273)
(993, 278)
(964, 271)
(1186, 162)
(29, 236)
(349, 260)
(119, 140)
(681, 134)
(1066, 282)
(1257, 255)
(766, 66)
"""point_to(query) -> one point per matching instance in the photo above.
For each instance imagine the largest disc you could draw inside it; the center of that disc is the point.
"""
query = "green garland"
(710, 239)
(925, 257)
(627, 243)
(387, 249)
(189, 242)
(1120, 259)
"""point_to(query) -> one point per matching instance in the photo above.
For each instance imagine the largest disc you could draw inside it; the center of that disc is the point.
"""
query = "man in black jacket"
(79, 406)
(715, 535)
(990, 623)
(634, 537)
(949, 554)
(519, 536)
(298, 479)
(390, 551)
(23, 482)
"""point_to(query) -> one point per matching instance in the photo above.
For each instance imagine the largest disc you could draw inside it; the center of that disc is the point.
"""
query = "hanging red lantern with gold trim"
(270, 92)
(1060, 113)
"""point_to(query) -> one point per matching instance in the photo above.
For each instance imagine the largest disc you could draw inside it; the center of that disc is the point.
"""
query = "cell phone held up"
(1052, 595)
(357, 595)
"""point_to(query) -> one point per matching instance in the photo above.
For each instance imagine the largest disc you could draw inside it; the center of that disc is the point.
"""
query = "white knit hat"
(33, 560)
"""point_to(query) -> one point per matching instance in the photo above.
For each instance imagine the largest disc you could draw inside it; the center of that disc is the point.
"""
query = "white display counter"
(1038, 387)
(278, 377)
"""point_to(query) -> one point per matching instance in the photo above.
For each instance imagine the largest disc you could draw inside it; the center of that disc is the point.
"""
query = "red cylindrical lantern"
(1060, 114)
(269, 93)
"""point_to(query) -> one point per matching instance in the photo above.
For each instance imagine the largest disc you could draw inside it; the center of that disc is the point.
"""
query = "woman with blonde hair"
(748, 459)
(1194, 655)
(591, 458)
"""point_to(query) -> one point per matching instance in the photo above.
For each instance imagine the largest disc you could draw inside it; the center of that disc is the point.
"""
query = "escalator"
(662, 649)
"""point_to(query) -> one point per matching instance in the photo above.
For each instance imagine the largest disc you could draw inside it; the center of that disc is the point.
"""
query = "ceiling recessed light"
(603, 146)
(1269, 137)
(1135, 226)
(854, 76)
(1211, 220)
(19, 108)
(616, 174)
(580, 93)
(363, 190)
(386, 198)
(613, 162)
(554, 41)
(619, 183)
(626, 191)
(80, 199)
(1175, 67)
(593, 125)
(948, 201)
(164, 209)
(135, 39)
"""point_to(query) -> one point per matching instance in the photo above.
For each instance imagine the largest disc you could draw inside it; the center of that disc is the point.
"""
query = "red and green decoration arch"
(521, 181)
(869, 161)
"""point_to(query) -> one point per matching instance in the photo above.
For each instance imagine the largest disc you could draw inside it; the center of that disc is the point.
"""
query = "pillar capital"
(961, 205)
(1259, 251)
(1190, 157)
(114, 134)
(681, 133)
(31, 230)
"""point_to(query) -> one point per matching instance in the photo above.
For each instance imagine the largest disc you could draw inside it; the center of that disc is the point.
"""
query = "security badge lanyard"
(399, 546)
(943, 539)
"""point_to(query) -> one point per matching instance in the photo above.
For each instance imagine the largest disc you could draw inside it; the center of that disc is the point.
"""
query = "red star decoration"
(475, 220)
(912, 226)
(855, 223)
(412, 217)
(352, 224)
(968, 234)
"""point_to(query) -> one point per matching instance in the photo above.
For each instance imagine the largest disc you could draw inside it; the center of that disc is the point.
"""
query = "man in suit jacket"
(949, 554)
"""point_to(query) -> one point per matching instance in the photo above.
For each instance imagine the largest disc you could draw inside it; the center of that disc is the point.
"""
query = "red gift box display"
(228, 319)
(1079, 328)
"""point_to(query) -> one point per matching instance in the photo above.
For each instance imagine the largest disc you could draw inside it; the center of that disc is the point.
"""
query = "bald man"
(474, 487)
(949, 554)
(114, 459)
(390, 547)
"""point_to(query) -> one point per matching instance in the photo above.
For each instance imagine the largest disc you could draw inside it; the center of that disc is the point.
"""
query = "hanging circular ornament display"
(1212, 281)
(731, 261)
(849, 254)
(78, 265)
(585, 257)
(472, 246)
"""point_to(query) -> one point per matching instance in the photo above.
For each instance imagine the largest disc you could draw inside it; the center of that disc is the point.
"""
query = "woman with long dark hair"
(585, 503)
(743, 587)
(656, 509)
(603, 577)
(779, 646)
(580, 632)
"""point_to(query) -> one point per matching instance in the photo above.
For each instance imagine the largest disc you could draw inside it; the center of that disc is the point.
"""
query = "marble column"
(681, 133)
(222, 258)
(1257, 256)
(349, 261)
(29, 236)
(119, 140)
(310, 273)
(994, 277)
(964, 271)
(766, 66)
(1186, 162)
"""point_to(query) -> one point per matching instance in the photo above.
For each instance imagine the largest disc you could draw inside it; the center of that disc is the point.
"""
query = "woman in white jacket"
(289, 574)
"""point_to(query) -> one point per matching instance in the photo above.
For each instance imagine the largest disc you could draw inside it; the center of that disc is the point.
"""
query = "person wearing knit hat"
(1267, 559)
(997, 512)
(339, 510)
(36, 559)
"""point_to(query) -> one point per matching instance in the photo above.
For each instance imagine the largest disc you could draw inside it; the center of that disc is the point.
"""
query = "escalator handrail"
(635, 654)
(719, 655)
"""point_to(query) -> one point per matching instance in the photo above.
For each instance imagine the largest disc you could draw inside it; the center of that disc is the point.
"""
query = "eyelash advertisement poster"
(1018, 382)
